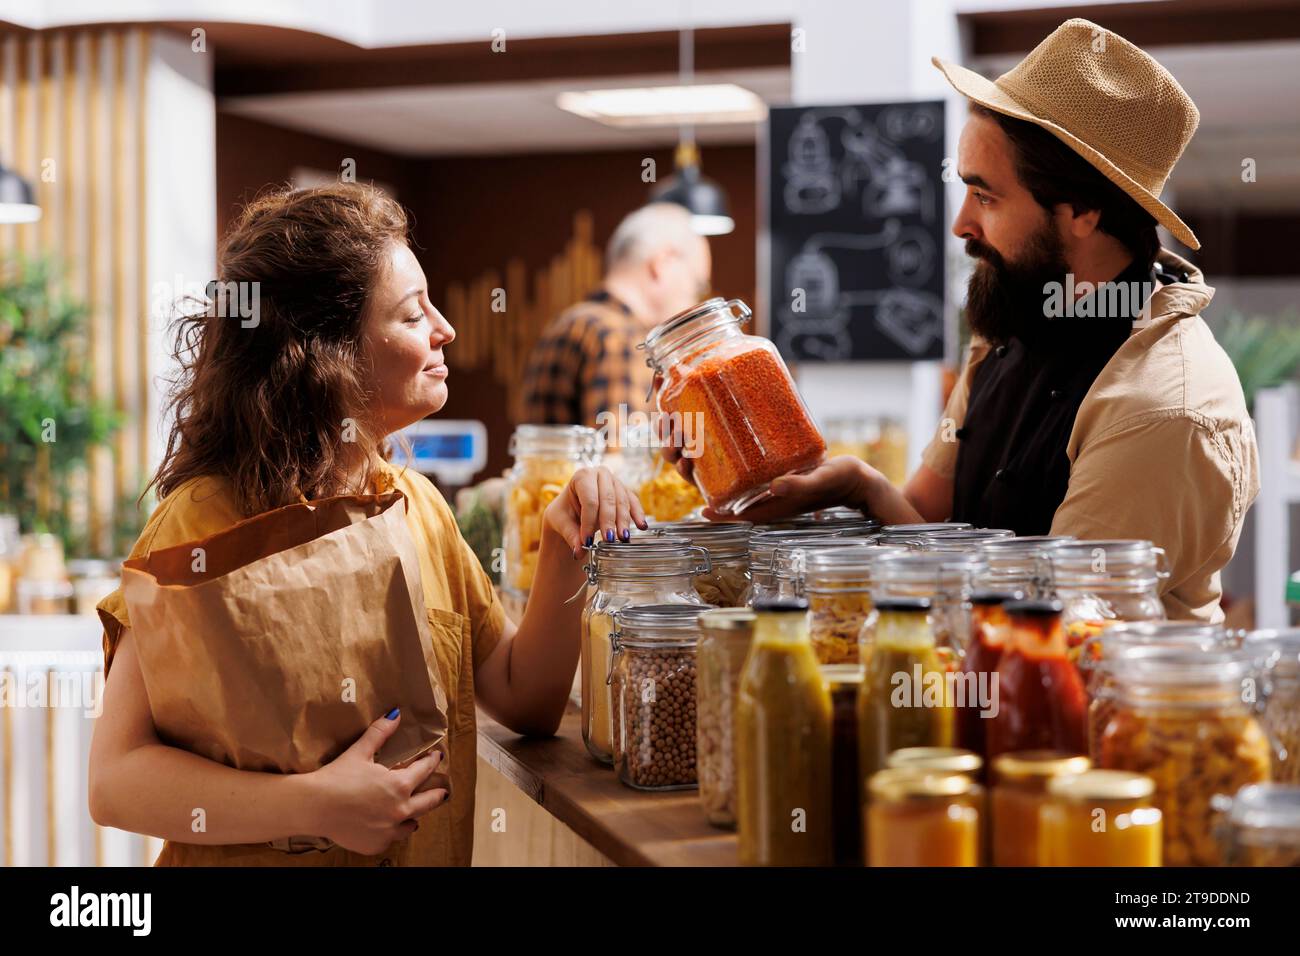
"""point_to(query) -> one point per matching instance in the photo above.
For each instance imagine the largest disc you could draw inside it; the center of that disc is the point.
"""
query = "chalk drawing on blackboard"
(910, 121)
(890, 183)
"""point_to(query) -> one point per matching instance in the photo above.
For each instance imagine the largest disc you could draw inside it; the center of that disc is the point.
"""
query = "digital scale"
(450, 450)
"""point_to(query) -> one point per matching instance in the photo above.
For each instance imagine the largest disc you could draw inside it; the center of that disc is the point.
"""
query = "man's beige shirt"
(1162, 447)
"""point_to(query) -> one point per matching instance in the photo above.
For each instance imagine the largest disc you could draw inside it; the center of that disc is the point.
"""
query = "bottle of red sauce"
(989, 629)
(1041, 704)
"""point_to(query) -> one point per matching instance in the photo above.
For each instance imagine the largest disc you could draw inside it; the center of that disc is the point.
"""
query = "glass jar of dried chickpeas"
(1188, 719)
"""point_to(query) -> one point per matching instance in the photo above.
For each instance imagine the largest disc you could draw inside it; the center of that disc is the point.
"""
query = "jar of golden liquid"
(1020, 782)
(1100, 818)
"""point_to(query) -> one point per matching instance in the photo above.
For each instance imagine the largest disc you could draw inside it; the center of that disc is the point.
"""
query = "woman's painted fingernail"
(627, 535)
(392, 714)
(589, 540)
(609, 535)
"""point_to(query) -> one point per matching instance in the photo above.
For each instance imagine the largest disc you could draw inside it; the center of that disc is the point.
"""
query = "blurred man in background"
(586, 361)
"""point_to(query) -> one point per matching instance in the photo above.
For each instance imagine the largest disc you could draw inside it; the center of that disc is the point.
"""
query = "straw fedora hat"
(1104, 98)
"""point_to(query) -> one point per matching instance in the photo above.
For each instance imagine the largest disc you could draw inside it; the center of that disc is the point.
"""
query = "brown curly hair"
(275, 404)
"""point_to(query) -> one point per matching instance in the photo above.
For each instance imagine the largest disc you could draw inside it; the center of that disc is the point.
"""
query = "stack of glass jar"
(546, 456)
(649, 569)
(727, 543)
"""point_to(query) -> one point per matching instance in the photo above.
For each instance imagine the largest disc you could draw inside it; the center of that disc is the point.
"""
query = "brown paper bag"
(272, 645)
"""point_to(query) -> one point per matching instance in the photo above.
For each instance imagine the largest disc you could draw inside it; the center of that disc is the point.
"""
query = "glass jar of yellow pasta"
(545, 458)
(1100, 818)
(727, 543)
(1188, 719)
(837, 583)
(645, 570)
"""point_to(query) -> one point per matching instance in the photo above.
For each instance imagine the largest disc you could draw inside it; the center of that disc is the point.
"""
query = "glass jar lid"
(834, 567)
(646, 557)
(1036, 767)
(733, 620)
(894, 784)
(722, 539)
(842, 675)
(932, 572)
(1266, 814)
(1102, 785)
(555, 440)
(1182, 675)
(960, 540)
(913, 530)
(685, 326)
(763, 544)
(938, 759)
(845, 519)
(790, 559)
(1096, 563)
(657, 625)
(1277, 650)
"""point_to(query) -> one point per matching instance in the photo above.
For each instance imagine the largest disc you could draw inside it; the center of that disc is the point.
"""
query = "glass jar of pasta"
(1187, 718)
(733, 394)
(1100, 818)
(1101, 583)
(1019, 793)
(837, 584)
(790, 560)
(1112, 650)
(942, 578)
(1019, 564)
(545, 458)
(652, 690)
(1279, 655)
(922, 818)
(783, 744)
(1262, 826)
(727, 543)
(725, 638)
(646, 570)
(762, 556)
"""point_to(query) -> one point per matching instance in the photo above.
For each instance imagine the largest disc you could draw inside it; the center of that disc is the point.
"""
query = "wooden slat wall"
(72, 107)
(502, 341)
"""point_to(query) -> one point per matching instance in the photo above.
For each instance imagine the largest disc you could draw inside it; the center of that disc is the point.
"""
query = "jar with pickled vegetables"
(545, 458)
(646, 570)
(844, 681)
(942, 578)
(1188, 719)
(1101, 818)
(923, 818)
(837, 584)
(1101, 583)
(783, 741)
(653, 693)
(1262, 826)
(725, 637)
(731, 393)
(906, 698)
(1040, 700)
(1112, 649)
(990, 629)
(727, 542)
(1019, 564)
(1279, 656)
(1019, 793)
(763, 584)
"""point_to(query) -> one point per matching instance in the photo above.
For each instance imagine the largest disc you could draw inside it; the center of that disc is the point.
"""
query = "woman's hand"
(362, 805)
(594, 503)
(840, 481)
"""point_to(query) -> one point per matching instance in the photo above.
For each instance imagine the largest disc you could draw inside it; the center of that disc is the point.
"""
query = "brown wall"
(475, 214)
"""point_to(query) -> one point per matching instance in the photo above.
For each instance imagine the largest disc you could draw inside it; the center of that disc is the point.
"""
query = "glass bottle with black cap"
(783, 741)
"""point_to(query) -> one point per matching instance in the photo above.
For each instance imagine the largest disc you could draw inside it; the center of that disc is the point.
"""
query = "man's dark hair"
(1053, 173)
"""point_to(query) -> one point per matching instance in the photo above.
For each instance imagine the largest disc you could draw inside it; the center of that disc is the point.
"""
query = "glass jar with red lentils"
(732, 402)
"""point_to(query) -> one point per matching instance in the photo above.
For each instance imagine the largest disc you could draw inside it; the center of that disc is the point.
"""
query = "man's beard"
(1006, 299)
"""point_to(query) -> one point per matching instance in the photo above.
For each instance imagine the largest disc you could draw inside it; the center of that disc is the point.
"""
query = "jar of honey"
(1100, 818)
(917, 818)
(1019, 793)
(733, 401)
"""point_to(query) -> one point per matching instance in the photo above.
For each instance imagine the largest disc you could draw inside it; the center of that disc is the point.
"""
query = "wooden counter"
(612, 823)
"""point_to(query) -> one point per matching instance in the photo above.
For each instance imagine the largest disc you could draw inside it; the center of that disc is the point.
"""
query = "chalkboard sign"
(856, 225)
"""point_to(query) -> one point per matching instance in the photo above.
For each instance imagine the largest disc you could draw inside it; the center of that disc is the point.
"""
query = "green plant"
(1265, 351)
(49, 420)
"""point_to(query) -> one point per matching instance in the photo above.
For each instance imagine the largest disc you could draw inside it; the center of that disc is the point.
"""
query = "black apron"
(1012, 470)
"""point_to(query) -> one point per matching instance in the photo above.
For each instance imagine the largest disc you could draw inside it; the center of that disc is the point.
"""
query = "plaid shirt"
(584, 363)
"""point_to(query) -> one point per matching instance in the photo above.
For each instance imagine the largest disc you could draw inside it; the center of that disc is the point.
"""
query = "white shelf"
(1277, 414)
